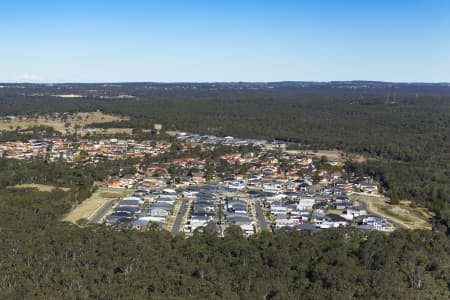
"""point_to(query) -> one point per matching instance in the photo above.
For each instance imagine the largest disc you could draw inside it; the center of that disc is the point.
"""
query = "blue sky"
(109, 41)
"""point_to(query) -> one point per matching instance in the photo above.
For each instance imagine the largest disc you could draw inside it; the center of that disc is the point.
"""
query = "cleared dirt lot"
(404, 214)
(88, 208)
(331, 155)
(40, 187)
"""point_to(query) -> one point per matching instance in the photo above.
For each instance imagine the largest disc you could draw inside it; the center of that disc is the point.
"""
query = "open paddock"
(40, 187)
(64, 124)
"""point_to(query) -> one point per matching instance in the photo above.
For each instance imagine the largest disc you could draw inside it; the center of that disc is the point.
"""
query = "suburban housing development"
(264, 187)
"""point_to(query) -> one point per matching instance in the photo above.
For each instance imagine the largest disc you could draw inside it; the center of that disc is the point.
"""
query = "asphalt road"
(177, 223)
(260, 215)
(97, 218)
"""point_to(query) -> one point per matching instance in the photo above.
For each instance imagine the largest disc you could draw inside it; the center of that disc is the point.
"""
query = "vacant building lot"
(331, 155)
(404, 214)
(91, 206)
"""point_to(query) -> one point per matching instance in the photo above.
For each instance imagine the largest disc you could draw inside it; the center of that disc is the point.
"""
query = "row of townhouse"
(134, 210)
(327, 208)
(237, 213)
(204, 209)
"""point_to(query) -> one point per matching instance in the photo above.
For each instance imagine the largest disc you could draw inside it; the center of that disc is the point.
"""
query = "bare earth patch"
(334, 211)
(331, 155)
(404, 214)
(88, 208)
(40, 187)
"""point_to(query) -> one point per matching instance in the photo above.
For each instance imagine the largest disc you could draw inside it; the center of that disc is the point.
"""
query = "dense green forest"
(42, 258)
(403, 129)
(80, 179)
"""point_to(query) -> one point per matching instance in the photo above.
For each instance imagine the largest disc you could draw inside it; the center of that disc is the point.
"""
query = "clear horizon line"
(211, 82)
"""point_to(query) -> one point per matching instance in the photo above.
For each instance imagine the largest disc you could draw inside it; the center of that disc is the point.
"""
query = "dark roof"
(204, 201)
(320, 205)
(131, 209)
(205, 214)
(335, 218)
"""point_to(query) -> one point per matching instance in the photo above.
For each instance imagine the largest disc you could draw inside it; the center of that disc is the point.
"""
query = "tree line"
(43, 258)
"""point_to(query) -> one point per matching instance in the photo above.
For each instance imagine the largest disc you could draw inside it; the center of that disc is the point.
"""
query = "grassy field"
(40, 187)
(115, 131)
(403, 214)
(63, 126)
